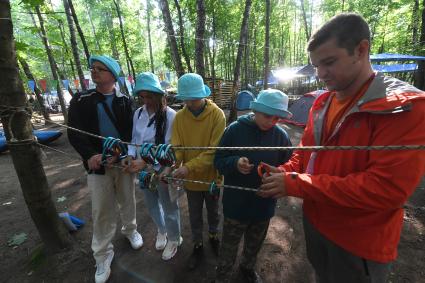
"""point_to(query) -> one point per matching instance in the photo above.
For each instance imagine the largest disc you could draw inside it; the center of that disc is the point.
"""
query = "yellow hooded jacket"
(203, 130)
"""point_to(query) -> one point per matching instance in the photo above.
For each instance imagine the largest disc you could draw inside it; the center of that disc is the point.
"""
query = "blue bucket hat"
(191, 87)
(110, 63)
(271, 102)
(149, 82)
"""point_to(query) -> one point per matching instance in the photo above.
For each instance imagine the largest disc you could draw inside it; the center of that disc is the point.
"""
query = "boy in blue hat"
(200, 123)
(105, 111)
(245, 213)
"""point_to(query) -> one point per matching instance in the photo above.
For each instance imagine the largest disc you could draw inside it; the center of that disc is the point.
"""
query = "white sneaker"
(161, 241)
(136, 240)
(103, 269)
(171, 249)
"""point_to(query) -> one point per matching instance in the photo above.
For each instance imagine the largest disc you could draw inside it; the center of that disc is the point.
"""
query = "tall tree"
(74, 45)
(181, 35)
(80, 31)
(52, 62)
(38, 95)
(267, 46)
(148, 17)
(23, 149)
(171, 36)
(420, 73)
(130, 66)
(96, 39)
(67, 54)
(111, 33)
(306, 25)
(236, 73)
(200, 41)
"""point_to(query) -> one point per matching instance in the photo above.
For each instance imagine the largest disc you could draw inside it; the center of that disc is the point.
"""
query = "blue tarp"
(394, 57)
(394, 68)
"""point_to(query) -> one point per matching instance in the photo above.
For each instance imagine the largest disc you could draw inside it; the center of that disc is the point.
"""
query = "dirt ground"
(282, 258)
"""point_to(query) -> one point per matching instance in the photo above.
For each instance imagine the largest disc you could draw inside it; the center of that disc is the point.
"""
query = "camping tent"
(243, 100)
(301, 108)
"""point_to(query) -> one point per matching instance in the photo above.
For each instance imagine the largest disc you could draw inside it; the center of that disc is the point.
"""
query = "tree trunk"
(96, 40)
(37, 91)
(267, 46)
(236, 73)
(110, 26)
(306, 27)
(148, 14)
(199, 41)
(181, 34)
(61, 28)
(420, 73)
(171, 37)
(74, 45)
(213, 52)
(23, 149)
(80, 31)
(130, 62)
(52, 63)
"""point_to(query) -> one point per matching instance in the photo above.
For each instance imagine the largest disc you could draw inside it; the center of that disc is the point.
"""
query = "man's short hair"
(347, 28)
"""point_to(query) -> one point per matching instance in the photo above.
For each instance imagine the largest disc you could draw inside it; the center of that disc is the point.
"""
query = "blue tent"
(395, 68)
(243, 100)
(395, 57)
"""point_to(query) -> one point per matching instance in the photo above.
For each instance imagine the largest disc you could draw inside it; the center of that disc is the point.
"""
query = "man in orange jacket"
(353, 199)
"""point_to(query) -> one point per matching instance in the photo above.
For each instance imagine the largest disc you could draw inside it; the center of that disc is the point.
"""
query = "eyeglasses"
(98, 70)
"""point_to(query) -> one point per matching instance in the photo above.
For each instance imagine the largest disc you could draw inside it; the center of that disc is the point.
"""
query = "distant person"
(200, 123)
(107, 112)
(152, 123)
(245, 213)
(353, 199)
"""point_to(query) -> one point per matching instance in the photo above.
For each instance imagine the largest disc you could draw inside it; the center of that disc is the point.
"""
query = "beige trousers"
(111, 193)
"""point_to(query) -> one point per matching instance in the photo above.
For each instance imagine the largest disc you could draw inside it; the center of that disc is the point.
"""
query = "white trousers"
(111, 193)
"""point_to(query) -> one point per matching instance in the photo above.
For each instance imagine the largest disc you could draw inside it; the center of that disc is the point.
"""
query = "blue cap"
(110, 63)
(191, 87)
(271, 102)
(148, 82)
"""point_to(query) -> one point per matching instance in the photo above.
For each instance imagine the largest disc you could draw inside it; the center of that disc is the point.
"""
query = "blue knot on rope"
(113, 147)
(147, 153)
(148, 181)
(214, 190)
(165, 155)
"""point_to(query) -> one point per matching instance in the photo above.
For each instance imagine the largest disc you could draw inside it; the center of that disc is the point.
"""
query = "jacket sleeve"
(79, 141)
(176, 139)
(132, 150)
(390, 177)
(225, 161)
(205, 158)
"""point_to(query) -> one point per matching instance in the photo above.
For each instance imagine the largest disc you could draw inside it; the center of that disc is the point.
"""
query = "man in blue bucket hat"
(245, 213)
(200, 123)
(105, 111)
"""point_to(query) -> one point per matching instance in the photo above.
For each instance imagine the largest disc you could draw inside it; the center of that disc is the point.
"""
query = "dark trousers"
(333, 264)
(254, 234)
(195, 201)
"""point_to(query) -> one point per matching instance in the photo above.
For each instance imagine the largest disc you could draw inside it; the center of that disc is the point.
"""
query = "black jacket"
(82, 114)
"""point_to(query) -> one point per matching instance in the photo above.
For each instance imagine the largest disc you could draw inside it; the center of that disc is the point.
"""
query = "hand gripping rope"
(148, 181)
(214, 191)
(263, 170)
(165, 155)
(113, 147)
(147, 153)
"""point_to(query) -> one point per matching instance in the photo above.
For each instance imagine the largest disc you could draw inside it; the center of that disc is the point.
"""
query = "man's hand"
(95, 162)
(181, 172)
(273, 186)
(244, 167)
(135, 166)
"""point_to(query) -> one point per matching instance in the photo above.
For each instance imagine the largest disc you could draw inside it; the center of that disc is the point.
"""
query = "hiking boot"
(161, 241)
(171, 249)
(136, 240)
(214, 242)
(250, 275)
(103, 269)
(196, 256)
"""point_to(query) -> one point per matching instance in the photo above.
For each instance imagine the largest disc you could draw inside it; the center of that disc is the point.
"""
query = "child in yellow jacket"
(200, 123)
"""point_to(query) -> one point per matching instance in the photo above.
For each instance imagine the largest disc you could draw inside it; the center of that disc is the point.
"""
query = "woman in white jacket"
(152, 123)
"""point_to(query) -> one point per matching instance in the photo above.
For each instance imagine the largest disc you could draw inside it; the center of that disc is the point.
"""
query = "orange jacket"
(355, 198)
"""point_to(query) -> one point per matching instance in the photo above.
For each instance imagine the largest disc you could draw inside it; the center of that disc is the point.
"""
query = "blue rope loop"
(165, 155)
(147, 153)
(214, 190)
(113, 147)
(148, 181)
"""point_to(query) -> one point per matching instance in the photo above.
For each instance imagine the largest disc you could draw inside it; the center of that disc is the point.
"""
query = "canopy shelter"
(394, 57)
